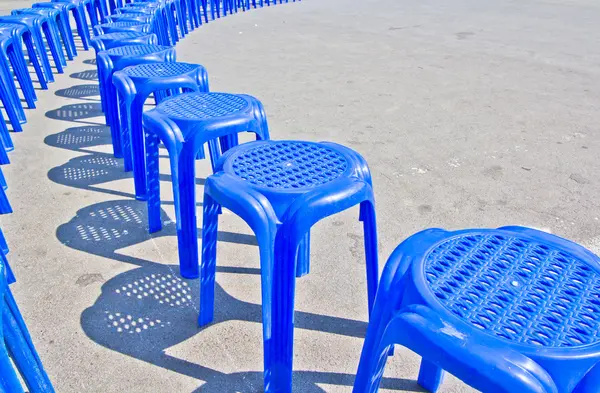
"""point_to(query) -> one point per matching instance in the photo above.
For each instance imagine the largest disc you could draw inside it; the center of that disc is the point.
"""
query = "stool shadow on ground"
(87, 75)
(90, 61)
(77, 112)
(145, 311)
(81, 92)
(87, 171)
(80, 138)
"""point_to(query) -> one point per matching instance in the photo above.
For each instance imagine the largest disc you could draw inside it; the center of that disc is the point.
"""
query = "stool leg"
(54, 49)
(33, 58)
(41, 51)
(210, 224)
(153, 181)
(430, 376)
(7, 101)
(184, 193)
(372, 361)
(64, 35)
(367, 216)
(18, 65)
(64, 18)
(7, 143)
(9, 381)
(21, 348)
(10, 277)
(303, 257)
(113, 112)
(136, 132)
(82, 26)
(121, 121)
(13, 95)
(3, 155)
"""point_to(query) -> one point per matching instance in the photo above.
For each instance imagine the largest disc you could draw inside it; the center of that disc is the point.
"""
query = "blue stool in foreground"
(134, 85)
(116, 59)
(506, 310)
(184, 124)
(16, 342)
(281, 189)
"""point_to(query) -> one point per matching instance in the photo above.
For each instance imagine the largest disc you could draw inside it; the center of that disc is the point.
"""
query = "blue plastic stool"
(505, 310)
(21, 34)
(59, 12)
(121, 27)
(16, 343)
(78, 9)
(134, 85)
(184, 124)
(12, 55)
(133, 17)
(113, 40)
(173, 11)
(116, 59)
(5, 207)
(10, 277)
(5, 139)
(40, 25)
(78, 15)
(281, 189)
(57, 28)
(164, 23)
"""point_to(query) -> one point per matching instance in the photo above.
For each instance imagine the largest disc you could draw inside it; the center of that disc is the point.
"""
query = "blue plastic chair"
(16, 343)
(78, 15)
(505, 310)
(113, 40)
(5, 207)
(116, 59)
(121, 27)
(184, 124)
(21, 34)
(12, 55)
(281, 189)
(40, 25)
(134, 85)
(57, 27)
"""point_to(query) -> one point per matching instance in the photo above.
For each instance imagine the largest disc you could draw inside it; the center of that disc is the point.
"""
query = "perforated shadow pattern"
(289, 165)
(517, 289)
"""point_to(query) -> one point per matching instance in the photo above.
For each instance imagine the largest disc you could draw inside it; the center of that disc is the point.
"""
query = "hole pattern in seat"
(517, 289)
(159, 69)
(201, 106)
(121, 35)
(136, 50)
(289, 164)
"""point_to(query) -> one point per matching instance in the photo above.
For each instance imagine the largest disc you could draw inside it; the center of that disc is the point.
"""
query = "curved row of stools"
(505, 310)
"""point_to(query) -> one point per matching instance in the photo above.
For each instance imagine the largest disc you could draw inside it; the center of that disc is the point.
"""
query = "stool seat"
(519, 306)
(117, 27)
(281, 189)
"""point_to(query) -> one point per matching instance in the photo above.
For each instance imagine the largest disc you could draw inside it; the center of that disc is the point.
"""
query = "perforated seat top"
(121, 24)
(136, 50)
(288, 165)
(159, 69)
(121, 35)
(517, 289)
(202, 106)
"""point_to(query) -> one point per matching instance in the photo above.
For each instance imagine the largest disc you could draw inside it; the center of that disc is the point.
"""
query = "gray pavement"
(469, 113)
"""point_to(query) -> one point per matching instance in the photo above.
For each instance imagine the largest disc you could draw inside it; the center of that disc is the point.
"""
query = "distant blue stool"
(40, 25)
(505, 310)
(16, 343)
(78, 13)
(5, 207)
(116, 59)
(113, 40)
(163, 22)
(64, 8)
(12, 55)
(171, 11)
(281, 189)
(21, 34)
(57, 27)
(133, 17)
(121, 27)
(134, 85)
(184, 124)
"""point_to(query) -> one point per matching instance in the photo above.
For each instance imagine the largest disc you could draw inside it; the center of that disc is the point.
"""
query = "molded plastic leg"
(367, 216)
(124, 131)
(210, 224)
(137, 148)
(54, 50)
(184, 191)
(33, 58)
(41, 51)
(303, 257)
(153, 182)
(7, 143)
(9, 381)
(430, 376)
(18, 64)
(82, 27)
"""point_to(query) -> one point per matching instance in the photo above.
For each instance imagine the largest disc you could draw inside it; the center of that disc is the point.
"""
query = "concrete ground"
(470, 114)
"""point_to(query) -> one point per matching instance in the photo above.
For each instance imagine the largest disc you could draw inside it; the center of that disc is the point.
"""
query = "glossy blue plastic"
(10, 54)
(134, 85)
(116, 59)
(78, 15)
(16, 344)
(184, 124)
(40, 25)
(5, 207)
(165, 21)
(10, 277)
(60, 25)
(22, 35)
(281, 189)
(78, 9)
(505, 310)
(119, 27)
(54, 24)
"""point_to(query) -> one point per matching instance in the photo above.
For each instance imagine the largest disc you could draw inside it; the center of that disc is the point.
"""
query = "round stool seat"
(202, 106)
(159, 70)
(519, 290)
(287, 165)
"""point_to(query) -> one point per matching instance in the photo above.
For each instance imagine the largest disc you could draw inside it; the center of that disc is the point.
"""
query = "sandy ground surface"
(470, 114)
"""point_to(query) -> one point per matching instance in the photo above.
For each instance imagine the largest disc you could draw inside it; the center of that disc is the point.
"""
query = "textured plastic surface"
(281, 189)
(185, 124)
(135, 50)
(519, 306)
(134, 85)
